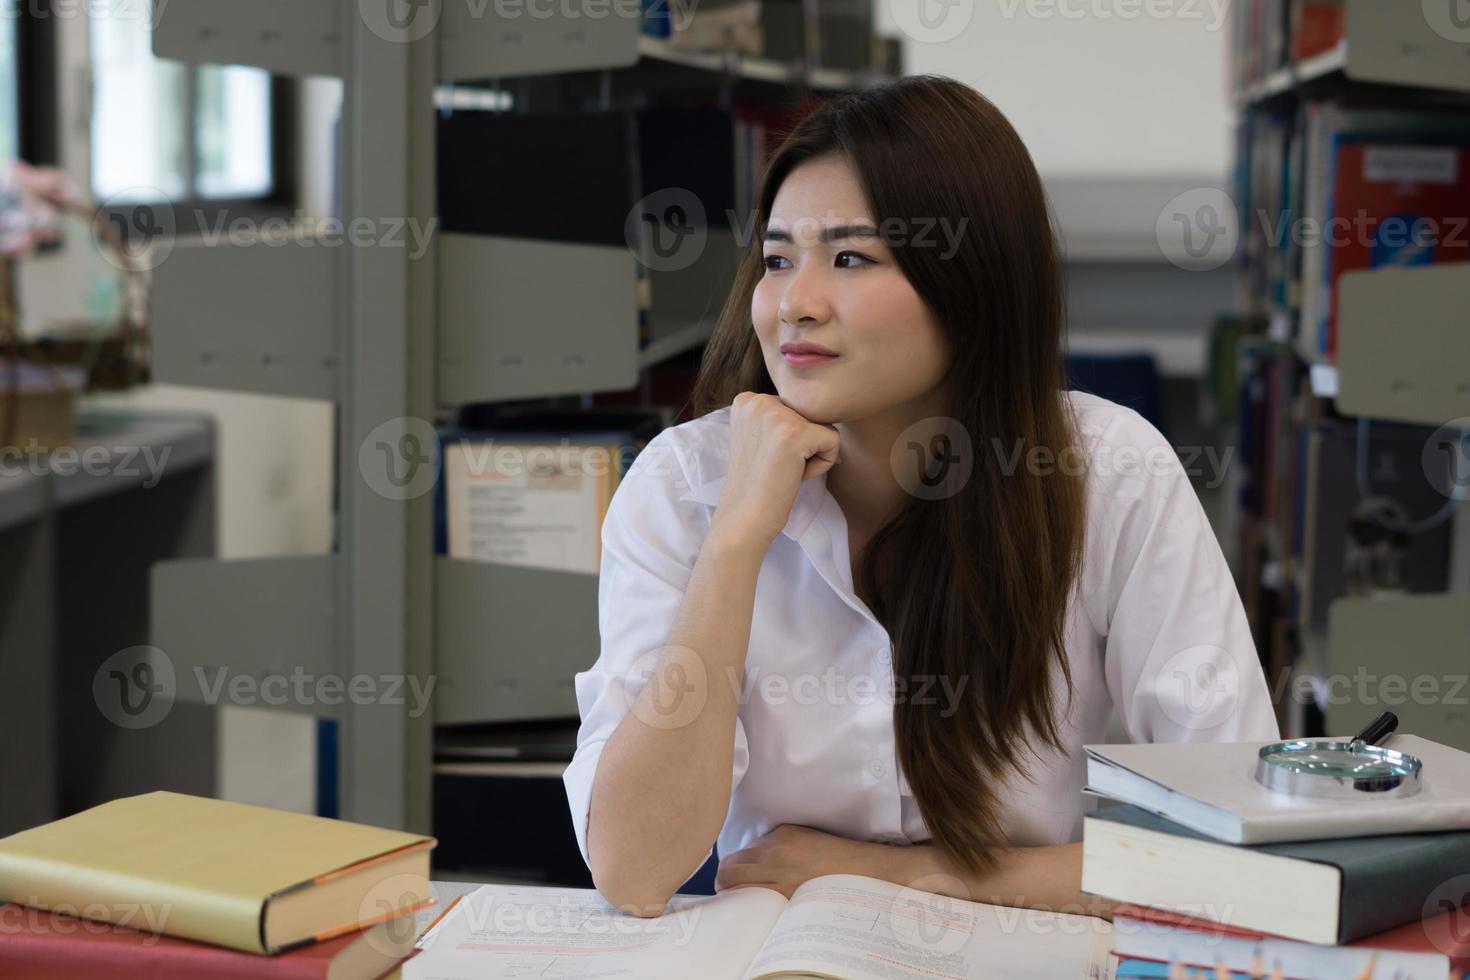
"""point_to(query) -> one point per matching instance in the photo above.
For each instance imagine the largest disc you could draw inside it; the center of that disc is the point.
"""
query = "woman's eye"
(773, 258)
(853, 255)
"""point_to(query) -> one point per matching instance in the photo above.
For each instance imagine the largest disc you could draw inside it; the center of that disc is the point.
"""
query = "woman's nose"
(805, 299)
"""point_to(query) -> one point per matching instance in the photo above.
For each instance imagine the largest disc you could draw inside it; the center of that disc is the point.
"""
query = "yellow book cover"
(247, 877)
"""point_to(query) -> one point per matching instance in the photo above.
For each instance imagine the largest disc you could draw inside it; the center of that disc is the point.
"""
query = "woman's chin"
(812, 406)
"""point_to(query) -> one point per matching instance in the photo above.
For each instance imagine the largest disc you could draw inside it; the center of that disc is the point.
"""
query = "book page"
(857, 928)
(529, 931)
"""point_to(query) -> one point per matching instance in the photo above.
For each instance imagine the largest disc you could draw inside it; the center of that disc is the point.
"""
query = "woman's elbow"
(626, 892)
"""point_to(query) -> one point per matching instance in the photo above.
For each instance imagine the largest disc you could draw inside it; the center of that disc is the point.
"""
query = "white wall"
(1091, 93)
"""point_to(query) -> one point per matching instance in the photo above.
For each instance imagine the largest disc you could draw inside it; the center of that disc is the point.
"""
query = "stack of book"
(167, 885)
(1212, 868)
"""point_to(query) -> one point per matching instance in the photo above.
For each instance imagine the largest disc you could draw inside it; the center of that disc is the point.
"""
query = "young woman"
(891, 580)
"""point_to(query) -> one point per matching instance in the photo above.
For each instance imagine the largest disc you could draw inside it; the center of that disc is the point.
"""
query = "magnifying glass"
(1358, 769)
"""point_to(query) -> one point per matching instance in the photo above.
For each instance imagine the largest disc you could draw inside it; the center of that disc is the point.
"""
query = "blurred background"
(276, 275)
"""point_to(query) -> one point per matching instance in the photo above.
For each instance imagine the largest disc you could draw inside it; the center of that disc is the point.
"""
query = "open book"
(843, 927)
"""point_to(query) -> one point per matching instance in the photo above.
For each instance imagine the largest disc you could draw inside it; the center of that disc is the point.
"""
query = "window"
(166, 130)
(9, 86)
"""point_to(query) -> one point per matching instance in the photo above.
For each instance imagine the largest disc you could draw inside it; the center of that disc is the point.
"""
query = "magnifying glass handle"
(1378, 729)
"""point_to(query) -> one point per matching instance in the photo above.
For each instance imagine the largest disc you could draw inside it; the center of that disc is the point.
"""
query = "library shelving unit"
(398, 343)
(1402, 355)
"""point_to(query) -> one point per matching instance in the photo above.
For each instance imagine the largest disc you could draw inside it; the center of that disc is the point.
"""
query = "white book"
(842, 927)
(1210, 787)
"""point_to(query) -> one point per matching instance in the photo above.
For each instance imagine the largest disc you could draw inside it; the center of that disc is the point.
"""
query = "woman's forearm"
(662, 786)
(1046, 877)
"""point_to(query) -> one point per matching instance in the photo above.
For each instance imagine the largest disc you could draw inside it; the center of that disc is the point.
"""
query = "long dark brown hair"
(988, 572)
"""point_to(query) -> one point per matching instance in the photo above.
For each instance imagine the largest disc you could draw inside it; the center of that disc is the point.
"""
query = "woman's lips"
(805, 360)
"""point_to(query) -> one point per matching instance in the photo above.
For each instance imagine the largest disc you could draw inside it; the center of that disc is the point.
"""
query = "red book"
(38, 945)
(1446, 934)
(1317, 27)
(1396, 204)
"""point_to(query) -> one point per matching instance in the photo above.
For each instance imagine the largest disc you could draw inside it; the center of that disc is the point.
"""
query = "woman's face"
(830, 281)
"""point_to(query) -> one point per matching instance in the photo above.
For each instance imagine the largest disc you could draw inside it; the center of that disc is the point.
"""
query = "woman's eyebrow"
(828, 234)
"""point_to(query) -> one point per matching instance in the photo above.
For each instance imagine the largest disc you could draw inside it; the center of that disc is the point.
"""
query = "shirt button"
(877, 769)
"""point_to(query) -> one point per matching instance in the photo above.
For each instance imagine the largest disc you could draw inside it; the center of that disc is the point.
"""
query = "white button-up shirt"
(1156, 632)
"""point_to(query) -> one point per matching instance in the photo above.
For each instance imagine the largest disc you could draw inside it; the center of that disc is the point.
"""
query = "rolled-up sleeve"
(1180, 661)
(650, 541)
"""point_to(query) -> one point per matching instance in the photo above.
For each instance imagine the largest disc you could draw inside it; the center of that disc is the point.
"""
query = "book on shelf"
(1210, 787)
(1147, 940)
(40, 945)
(1379, 187)
(1330, 890)
(842, 927)
(531, 499)
(246, 877)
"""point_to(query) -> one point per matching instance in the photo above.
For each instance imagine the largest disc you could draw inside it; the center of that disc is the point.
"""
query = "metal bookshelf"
(396, 341)
(1401, 350)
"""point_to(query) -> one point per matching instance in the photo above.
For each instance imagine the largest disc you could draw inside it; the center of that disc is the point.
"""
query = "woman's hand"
(791, 854)
(772, 449)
